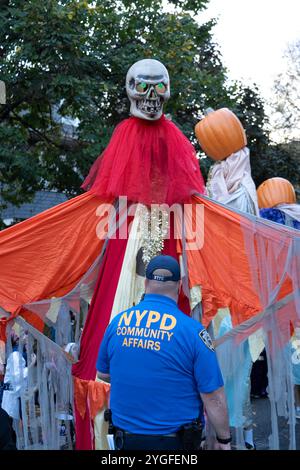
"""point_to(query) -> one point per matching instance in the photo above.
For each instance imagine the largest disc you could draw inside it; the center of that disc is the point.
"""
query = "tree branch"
(66, 143)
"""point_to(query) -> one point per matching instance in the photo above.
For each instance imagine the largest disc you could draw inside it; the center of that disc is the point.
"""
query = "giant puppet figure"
(151, 163)
(51, 263)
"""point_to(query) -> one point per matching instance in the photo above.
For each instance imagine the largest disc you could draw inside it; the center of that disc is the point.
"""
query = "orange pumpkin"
(275, 191)
(220, 134)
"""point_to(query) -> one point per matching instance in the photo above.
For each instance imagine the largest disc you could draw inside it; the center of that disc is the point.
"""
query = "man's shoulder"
(117, 317)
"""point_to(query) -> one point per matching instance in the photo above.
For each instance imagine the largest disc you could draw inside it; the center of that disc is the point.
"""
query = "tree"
(65, 62)
(286, 105)
(267, 158)
(251, 111)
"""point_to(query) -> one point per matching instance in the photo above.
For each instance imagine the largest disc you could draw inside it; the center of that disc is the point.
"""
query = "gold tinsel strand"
(154, 228)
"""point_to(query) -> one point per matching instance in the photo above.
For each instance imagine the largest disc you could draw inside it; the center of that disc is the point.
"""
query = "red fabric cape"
(149, 162)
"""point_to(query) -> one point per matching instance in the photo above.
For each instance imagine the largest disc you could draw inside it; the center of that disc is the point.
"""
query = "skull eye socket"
(141, 87)
(160, 88)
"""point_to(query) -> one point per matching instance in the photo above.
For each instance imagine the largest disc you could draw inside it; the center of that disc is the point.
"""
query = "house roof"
(42, 201)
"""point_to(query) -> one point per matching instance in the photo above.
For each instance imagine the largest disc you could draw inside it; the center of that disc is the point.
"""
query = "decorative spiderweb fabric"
(47, 409)
(65, 316)
(46, 402)
(46, 393)
(274, 256)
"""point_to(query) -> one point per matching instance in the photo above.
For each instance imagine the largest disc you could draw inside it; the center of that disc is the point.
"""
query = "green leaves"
(19, 168)
(64, 64)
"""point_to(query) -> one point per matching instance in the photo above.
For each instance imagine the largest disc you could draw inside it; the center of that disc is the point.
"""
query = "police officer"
(163, 369)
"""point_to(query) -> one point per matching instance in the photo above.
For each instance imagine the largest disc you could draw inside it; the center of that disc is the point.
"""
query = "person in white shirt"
(15, 380)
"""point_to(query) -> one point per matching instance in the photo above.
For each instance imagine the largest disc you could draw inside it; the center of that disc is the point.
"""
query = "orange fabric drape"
(98, 397)
(47, 255)
(92, 394)
(223, 267)
(80, 395)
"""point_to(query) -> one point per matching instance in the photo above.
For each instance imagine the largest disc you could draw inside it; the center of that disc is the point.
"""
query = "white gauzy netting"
(45, 388)
(45, 392)
(47, 420)
(275, 268)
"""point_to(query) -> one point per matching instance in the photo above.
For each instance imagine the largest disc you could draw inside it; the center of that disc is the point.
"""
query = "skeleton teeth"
(148, 103)
(149, 106)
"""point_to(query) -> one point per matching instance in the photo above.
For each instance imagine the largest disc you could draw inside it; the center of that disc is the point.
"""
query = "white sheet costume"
(230, 182)
(15, 375)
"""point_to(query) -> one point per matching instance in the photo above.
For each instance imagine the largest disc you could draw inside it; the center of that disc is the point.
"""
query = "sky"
(252, 35)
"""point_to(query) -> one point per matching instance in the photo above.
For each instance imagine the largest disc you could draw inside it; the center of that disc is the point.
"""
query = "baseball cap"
(163, 262)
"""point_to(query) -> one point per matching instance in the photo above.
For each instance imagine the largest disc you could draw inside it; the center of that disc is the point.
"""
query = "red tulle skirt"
(149, 162)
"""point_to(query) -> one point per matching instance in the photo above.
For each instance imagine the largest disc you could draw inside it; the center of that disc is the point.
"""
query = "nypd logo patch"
(206, 339)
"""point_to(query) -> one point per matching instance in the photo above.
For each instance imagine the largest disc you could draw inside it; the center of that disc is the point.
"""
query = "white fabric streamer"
(292, 210)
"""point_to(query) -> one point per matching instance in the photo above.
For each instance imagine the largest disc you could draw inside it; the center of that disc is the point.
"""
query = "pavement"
(262, 426)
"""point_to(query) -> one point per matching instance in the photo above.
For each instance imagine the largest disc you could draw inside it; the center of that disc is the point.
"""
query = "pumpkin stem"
(208, 111)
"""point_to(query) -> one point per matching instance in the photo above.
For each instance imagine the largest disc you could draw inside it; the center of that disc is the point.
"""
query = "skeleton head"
(148, 87)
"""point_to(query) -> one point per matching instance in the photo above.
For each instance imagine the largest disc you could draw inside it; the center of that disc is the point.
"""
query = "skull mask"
(148, 87)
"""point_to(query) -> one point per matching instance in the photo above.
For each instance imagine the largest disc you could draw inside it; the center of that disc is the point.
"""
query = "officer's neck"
(169, 295)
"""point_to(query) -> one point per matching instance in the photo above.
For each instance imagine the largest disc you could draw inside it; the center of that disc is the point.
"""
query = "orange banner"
(240, 263)
(47, 255)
